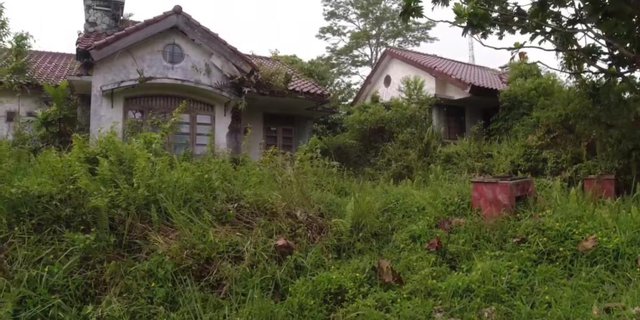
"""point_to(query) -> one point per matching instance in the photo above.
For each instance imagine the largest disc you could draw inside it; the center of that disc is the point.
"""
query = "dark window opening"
(279, 132)
(11, 116)
(455, 125)
(487, 117)
(387, 81)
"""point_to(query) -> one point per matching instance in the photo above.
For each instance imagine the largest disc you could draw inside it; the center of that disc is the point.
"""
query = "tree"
(56, 125)
(15, 48)
(358, 31)
(595, 38)
(323, 72)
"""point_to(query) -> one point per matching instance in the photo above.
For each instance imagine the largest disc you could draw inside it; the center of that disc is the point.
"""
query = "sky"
(253, 26)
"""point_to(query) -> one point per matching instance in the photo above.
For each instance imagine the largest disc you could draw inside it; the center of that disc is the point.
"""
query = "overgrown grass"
(124, 231)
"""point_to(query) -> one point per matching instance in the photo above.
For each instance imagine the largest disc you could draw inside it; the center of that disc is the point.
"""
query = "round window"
(173, 54)
(387, 81)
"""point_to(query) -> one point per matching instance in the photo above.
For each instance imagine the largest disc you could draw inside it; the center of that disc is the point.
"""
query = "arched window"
(194, 128)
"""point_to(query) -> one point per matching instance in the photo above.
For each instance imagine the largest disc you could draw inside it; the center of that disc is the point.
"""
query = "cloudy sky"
(257, 26)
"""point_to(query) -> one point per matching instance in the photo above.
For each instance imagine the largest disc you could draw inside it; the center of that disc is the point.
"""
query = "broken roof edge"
(319, 90)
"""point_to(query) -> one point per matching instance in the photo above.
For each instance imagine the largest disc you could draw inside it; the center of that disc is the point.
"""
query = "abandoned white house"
(128, 71)
(467, 94)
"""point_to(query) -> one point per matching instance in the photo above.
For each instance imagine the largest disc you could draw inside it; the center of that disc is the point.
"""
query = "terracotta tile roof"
(49, 67)
(52, 67)
(460, 73)
(299, 83)
(86, 40)
(470, 74)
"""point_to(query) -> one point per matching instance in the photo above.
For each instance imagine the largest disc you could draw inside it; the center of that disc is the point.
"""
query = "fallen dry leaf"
(609, 308)
(636, 311)
(588, 244)
(520, 240)
(489, 313)
(386, 273)
(438, 313)
(284, 247)
(595, 311)
(458, 222)
(445, 225)
(434, 245)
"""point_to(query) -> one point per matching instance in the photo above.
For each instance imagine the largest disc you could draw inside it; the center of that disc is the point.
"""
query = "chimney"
(102, 15)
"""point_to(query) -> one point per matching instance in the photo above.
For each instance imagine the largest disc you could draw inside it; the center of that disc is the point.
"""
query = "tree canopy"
(14, 48)
(595, 38)
(358, 31)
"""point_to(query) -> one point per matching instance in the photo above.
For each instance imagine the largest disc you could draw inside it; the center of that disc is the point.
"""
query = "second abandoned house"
(134, 72)
(467, 94)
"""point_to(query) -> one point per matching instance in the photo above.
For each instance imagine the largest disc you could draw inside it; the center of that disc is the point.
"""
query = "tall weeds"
(124, 230)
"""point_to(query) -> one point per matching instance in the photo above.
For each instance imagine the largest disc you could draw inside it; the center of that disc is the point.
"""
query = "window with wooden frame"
(455, 125)
(279, 132)
(194, 129)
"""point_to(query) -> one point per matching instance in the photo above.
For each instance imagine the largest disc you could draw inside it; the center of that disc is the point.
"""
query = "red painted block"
(600, 187)
(497, 196)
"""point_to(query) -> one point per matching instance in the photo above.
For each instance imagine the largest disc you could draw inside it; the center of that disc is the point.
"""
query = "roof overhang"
(172, 19)
(388, 55)
(290, 105)
(175, 83)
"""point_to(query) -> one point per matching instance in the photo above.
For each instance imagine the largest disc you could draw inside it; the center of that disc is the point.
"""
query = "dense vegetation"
(124, 230)
(371, 220)
(370, 223)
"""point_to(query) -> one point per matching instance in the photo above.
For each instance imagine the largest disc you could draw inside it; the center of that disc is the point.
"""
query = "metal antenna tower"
(472, 53)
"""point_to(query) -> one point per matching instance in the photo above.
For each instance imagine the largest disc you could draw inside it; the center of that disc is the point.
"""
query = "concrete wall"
(446, 89)
(253, 119)
(22, 104)
(473, 117)
(397, 70)
(200, 66)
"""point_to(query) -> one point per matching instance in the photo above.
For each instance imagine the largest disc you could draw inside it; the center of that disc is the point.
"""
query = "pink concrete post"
(496, 197)
(600, 187)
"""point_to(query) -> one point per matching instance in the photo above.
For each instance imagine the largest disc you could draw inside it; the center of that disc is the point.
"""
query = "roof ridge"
(47, 51)
(441, 57)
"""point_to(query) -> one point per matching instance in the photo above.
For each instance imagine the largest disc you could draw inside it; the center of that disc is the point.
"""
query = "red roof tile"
(463, 73)
(299, 83)
(49, 67)
(86, 40)
(470, 74)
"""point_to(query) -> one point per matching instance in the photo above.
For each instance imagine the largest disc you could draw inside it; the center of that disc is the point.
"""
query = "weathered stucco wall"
(446, 89)
(397, 70)
(145, 59)
(253, 119)
(473, 117)
(114, 79)
(22, 104)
